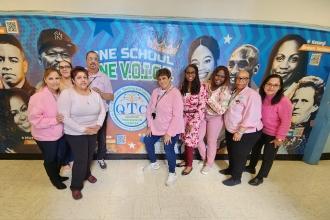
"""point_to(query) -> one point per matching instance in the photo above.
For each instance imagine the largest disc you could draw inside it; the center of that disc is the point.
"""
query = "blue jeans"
(169, 150)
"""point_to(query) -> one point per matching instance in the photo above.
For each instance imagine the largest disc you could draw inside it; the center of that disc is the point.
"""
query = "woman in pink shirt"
(216, 106)
(47, 127)
(194, 102)
(165, 120)
(276, 117)
(243, 126)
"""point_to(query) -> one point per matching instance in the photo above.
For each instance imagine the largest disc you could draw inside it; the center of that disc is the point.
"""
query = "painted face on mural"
(286, 60)
(51, 57)
(202, 57)
(243, 58)
(13, 66)
(303, 104)
(18, 109)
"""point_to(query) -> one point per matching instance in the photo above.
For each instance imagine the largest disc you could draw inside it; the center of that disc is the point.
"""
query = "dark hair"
(300, 70)
(216, 70)
(91, 51)
(163, 72)
(208, 42)
(195, 84)
(12, 40)
(77, 69)
(279, 94)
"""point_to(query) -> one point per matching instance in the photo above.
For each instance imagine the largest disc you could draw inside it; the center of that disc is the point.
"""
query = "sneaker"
(102, 164)
(205, 170)
(171, 179)
(153, 166)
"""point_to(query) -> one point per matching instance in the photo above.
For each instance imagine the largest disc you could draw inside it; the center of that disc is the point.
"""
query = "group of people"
(196, 112)
(68, 114)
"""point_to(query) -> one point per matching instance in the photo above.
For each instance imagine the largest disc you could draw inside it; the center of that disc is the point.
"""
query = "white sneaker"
(205, 170)
(153, 166)
(171, 179)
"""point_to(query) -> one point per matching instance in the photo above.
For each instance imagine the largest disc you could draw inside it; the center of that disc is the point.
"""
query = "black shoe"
(256, 181)
(249, 169)
(63, 178)
(225, 171)
(231, 182)
(59, 185)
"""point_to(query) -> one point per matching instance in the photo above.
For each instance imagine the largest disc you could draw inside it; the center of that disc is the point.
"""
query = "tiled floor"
(294, 190)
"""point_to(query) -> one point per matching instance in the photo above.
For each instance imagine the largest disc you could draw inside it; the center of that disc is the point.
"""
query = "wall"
(298, 11)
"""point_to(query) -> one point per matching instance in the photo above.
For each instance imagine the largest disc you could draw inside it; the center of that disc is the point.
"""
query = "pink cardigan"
(42, 113)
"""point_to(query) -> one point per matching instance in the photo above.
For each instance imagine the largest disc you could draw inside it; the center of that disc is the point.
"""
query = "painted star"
(227, 39)
(102, 25)
(131, 145)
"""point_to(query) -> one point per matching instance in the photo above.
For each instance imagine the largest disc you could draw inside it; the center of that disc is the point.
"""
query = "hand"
(167, 139)
(237, 136)
(92, 129)
(59, 118)
(277, 143)
(148, 132)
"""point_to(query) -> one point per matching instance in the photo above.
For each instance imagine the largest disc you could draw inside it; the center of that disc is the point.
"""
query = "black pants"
(83, 147)
(238, 152)
(268, 155)
(52, 162)
(101, 139)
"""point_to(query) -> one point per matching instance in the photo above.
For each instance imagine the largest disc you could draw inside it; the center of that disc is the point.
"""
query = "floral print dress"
(193, 112)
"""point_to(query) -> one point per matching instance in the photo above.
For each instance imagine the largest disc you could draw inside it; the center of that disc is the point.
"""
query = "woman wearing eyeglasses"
(65, 68)
(243, 126)
(216, 105)
(276, 118)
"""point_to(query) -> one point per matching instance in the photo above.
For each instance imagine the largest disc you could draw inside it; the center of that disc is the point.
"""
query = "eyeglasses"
(65, 67)
(242, 78)
(221, 76)
(240, 63)
(272, 85)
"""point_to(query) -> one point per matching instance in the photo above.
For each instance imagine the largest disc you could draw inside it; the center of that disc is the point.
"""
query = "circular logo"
(128, 110)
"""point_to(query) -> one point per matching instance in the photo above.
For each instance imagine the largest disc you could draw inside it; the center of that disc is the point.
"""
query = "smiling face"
(53, 81)
(65, 69)
(204, 60)
(242, 80)
(219, 78)
(190, 74)
(80, 81)
(13, 66)
(51, 57)
(164, 82)
(272, 86)
(286, 60)
(92, 61)
(303, 104)
(18, 109)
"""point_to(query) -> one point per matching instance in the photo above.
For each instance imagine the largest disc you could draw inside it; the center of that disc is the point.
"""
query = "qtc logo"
(128, 110)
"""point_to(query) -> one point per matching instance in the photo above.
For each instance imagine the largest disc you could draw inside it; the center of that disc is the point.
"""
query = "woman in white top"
(83, 112)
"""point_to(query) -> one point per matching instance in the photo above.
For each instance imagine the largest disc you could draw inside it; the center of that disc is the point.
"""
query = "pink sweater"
(42, 113)
(244, 112)
(169, 113)
(276, 118)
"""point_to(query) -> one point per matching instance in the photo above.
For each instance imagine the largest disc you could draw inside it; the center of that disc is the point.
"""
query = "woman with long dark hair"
(276, 118)
(217, 103)
(194, 102)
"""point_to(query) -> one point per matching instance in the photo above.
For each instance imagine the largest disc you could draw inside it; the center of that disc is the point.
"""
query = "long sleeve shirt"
(169, 112)
(42, 113)
(80, 111)
(218, 100)
(244, 112)
(103, 83)
(276, 118)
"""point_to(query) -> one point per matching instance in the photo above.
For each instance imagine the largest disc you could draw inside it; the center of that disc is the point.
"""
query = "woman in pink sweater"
(47, 127)
(276, 118)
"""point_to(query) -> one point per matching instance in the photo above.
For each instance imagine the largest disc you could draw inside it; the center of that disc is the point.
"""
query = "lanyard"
(232, 97)
(160, 97)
